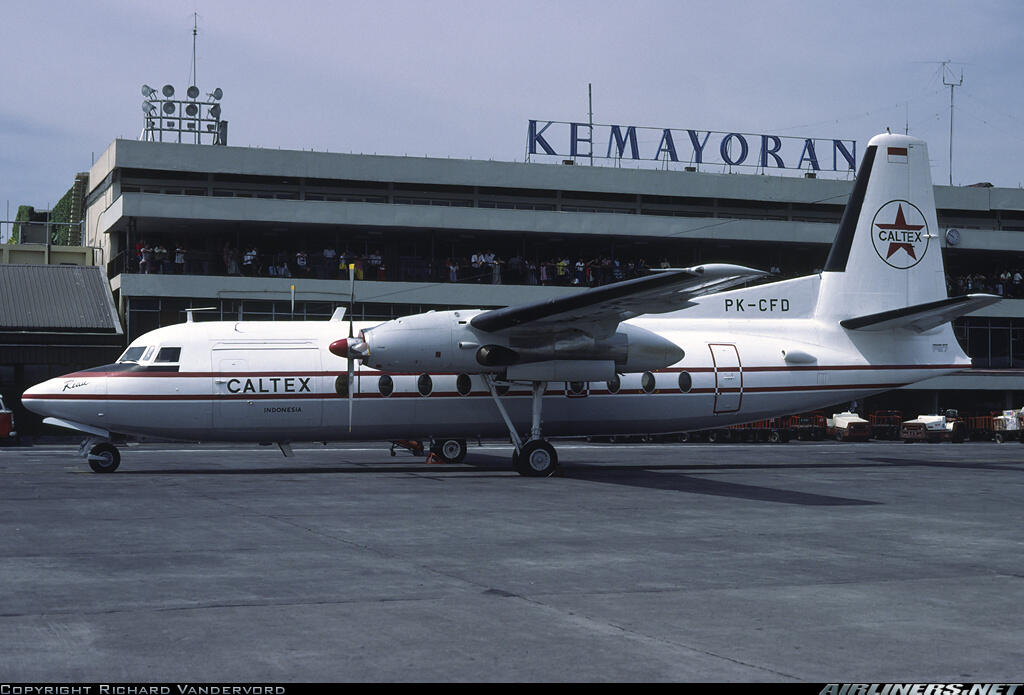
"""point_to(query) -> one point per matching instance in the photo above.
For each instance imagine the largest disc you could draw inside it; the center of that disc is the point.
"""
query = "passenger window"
(425, 384)
(647, 382)
(685, 382)
(575, 388)
(386, 385)
(463, 384)
(169, 354)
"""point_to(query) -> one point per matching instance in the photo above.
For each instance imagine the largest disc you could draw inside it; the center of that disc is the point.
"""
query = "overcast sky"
(462, 79)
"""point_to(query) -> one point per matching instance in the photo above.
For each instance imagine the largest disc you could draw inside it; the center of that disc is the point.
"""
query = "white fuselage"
(275, 382)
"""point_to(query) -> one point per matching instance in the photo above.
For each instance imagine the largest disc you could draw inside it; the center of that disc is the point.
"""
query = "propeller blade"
(351, 362)
(351, 387)
(351, 296)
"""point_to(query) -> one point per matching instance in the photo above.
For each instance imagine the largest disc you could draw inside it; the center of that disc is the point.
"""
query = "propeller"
(351, 347)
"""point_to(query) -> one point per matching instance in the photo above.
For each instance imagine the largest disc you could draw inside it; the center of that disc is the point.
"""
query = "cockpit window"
(132, 354)
(147, 354)
(168, 354)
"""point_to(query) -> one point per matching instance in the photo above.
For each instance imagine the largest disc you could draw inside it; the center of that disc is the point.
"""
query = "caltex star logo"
(901, 243)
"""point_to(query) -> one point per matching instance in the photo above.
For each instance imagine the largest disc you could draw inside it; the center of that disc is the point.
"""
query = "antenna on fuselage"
(188, 312)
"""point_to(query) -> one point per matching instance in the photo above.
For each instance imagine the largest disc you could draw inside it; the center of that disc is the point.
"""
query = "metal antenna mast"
(952, 85)
(590, 118)
(195, 30)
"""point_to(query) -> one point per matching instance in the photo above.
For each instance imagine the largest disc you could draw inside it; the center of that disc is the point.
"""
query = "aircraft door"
(728, 377)
(268, 389)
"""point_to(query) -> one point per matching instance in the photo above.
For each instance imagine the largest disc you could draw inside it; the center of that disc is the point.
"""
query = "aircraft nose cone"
(33, 397)
(348, 347)
(339, 347)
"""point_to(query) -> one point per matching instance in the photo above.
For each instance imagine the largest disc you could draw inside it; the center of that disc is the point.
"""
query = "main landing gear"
(535, 457)
(103, 457)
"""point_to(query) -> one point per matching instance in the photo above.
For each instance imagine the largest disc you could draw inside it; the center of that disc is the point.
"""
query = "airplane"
(680, 350)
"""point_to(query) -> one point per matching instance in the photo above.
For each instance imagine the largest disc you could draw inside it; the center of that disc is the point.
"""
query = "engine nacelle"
(444, 341)
(437, 341)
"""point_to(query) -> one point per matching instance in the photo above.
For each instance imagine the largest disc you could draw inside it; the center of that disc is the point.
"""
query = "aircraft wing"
(599, 311)
(921, 317)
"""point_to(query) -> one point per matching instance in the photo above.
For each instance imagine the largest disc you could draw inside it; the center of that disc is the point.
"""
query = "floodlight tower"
(183, 119)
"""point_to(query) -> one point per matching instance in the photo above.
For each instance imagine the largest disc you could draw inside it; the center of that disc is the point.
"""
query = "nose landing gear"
(103, 457)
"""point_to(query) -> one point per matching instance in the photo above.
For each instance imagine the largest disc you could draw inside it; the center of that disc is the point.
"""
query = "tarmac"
(820, 562)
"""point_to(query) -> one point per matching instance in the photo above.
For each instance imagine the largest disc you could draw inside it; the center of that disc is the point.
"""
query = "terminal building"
(264, 234)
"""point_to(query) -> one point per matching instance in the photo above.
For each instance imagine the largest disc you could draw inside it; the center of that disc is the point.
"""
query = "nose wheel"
(534, 457)
(104, 458)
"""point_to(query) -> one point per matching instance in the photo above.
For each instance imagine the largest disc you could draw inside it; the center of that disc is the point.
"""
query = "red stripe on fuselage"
(669, 370)
(414, 394)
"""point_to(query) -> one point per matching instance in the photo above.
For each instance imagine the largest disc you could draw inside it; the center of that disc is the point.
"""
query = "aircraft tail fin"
(886, 255)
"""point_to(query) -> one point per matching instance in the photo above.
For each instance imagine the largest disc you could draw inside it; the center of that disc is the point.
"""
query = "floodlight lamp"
(193, 92)
(168, 107)
(210, 127)
(191, 109)
(215, 110)
(217, 94)
(168, 91)
(148, 108)
(147, 90)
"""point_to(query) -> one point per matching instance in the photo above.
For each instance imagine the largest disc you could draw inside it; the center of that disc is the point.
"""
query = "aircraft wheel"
(450, 450)
(774, 437)
(104, 458)
(537, 459)
(998, 438)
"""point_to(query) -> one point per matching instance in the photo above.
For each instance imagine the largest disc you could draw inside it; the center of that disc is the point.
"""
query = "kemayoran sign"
(618, 142)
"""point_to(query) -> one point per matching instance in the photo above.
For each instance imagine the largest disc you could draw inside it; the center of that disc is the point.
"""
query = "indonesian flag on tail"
(897, 155)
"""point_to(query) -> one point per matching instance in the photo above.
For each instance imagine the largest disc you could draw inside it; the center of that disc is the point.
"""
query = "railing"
(405, 269)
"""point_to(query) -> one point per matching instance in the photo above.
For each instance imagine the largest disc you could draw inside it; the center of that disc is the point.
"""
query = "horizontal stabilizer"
(921, 317)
